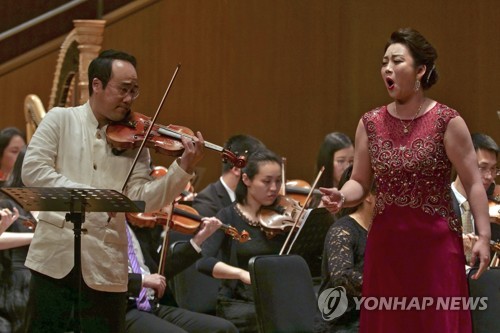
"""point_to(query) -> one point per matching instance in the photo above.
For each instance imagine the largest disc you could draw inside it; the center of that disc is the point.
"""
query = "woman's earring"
(417, 85)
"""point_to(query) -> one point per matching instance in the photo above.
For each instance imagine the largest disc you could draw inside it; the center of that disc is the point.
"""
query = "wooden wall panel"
(287, 71)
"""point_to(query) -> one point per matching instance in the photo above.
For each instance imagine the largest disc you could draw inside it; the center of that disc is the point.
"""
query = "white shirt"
(68, 150)
(230, 192)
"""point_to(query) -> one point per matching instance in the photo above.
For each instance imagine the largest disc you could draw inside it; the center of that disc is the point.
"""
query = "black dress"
(14, 281)
(342, 265)
(235, 301)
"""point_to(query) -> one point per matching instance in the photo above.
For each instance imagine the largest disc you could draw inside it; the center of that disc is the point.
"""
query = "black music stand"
(76, 201)
(309, 240)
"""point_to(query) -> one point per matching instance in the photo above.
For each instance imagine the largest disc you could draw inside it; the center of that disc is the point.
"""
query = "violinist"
(158, 317)
(487, 157)
(220, 194)
(70, 149)
(335, 154)
(14, 244)
(12, 140)
(258, 187)
(343, 260)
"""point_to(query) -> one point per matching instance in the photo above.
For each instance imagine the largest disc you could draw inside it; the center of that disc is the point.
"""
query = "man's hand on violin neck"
(193, 152)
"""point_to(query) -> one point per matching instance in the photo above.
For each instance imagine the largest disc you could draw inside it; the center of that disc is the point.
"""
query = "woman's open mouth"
(390, 83)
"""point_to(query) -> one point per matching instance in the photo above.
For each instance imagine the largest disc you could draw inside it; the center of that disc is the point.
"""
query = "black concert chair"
(283, 291)
(488, 285)
(193, 290)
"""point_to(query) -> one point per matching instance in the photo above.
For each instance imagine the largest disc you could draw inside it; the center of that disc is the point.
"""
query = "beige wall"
(287, 71)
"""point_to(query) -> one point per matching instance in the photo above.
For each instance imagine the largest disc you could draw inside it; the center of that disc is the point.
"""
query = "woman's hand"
(332, 199)
(7, 217)
(245, 277)
(481, 250)
(208, 226)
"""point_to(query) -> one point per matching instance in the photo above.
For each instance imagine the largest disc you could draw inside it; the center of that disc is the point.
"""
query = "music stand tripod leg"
(77, 219)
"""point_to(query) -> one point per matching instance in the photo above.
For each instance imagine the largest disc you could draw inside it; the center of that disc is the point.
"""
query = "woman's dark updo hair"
(252, 168)
(421, 50)
(332, 143)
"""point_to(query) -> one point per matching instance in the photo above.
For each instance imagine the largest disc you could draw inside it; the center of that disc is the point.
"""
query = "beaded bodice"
(412, 169)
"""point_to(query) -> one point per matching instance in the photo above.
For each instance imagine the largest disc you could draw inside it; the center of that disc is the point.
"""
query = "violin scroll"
(237, 161)
(231, 231)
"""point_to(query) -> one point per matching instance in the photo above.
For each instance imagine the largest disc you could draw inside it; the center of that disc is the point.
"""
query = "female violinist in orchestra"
(12, 140)
(220, 193)
(227, 259)
(335, 154)
(343, 258)
(14, 244)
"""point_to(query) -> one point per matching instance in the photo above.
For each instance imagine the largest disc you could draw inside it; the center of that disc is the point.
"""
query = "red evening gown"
(414, 247)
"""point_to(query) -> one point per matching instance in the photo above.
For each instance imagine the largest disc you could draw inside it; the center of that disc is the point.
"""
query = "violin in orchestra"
(280, 217)
(183, 219)
(494, 204)
(131, 132)
(298, 190)
(187, 194)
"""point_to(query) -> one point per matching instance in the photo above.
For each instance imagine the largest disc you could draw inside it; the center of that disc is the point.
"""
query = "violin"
(298, 190)
(280, 218)
(494, 205)
(28, 222)
(148, 220)
(185, 219)
(131, 132)
(187, 194)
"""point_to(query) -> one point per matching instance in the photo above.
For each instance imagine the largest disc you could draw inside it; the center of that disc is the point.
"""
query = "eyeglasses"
(126, 89)
(494, 171)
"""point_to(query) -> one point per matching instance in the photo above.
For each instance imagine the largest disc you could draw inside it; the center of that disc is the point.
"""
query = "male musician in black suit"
(487, 155)
(220, 194)
(164, 318)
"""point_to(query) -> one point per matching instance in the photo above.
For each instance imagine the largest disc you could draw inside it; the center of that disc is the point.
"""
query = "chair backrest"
(283, 293)
(488, 285)
(193, 290)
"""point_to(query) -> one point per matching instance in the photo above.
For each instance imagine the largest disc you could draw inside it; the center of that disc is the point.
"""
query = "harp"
(70, 84)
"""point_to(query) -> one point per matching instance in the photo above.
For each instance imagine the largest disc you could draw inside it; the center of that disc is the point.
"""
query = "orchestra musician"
(487, 154)
(12, 140)
(221, 194)
(335, 154)
(343, 259)
(69, 149)
(258, 187)
(153, 316)
(14, 245)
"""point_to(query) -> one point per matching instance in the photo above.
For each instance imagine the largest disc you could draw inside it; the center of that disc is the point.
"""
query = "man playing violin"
(69, 149)
(158, 316)
(487, 154)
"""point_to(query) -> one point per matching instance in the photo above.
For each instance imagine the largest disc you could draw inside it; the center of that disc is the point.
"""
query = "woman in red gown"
(414, 247)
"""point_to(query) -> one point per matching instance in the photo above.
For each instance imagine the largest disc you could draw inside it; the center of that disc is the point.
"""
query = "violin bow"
(153, 120)
(283, 182)
(299, 215)
(165, 244)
